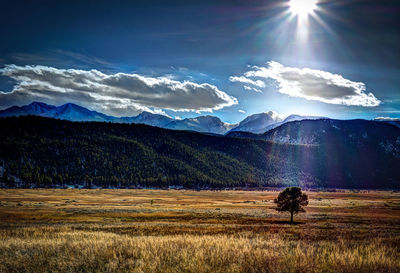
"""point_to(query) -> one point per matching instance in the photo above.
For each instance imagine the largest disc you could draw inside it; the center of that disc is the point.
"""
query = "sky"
(225, 58)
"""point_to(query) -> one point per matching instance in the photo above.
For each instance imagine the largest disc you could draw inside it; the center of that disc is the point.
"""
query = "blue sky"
(204, 42)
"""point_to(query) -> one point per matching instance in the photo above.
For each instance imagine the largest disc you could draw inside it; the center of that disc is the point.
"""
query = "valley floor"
(71, 230)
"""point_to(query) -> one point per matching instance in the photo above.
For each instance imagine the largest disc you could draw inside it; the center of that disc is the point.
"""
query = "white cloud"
(312, 84)
(117, 94)
(161, 112)
(386, 119)
(252, 89)
(245, 80)
(242, 111)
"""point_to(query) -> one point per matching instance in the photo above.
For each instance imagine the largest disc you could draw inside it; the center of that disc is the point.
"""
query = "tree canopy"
(291, 199)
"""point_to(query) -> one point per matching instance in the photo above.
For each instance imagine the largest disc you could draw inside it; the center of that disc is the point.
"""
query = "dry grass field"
(70, 230)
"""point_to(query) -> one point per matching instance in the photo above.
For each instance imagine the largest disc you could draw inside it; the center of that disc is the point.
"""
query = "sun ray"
(302, 8)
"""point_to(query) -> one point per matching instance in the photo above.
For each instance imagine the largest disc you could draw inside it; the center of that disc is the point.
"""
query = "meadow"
(98, 230)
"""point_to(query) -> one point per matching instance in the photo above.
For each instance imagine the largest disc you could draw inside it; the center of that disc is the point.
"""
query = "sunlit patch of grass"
(69, 250)
(189, 231)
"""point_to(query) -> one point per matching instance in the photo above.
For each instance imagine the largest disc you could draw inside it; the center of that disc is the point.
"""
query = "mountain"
(261, 123)
(350, 151)
(355, 151)
(292, 118)
(393, 121)
(299, 117)
(43, 152)
(35, 108)
(149, 119)
(335, 133)
(68, 111)
(73, 112)
(205, 124)
(331, 132)
(257, 123)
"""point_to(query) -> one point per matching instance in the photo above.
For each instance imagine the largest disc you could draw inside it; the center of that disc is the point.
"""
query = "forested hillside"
(43, 152)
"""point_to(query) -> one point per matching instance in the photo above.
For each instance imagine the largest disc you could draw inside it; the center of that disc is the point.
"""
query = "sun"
(302, 8)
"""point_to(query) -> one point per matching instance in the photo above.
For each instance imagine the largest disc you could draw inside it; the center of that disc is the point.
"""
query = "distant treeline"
(42, 152)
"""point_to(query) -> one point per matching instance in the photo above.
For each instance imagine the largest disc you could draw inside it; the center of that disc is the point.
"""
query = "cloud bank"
(310, 84)
(386, 119)
(116, 94)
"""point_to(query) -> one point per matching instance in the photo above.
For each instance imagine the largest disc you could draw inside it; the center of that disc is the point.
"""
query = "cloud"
(242, 111)
(386, 119)
(311, 84)
(117, 94)
(245, 80)
(252, 89)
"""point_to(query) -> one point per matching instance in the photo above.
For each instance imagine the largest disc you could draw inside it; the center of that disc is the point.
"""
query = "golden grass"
(189, 231)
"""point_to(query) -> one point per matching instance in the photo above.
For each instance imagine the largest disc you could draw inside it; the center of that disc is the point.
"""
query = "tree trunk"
(291, 217)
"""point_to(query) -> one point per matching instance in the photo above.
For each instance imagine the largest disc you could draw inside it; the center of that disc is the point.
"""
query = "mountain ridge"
(46, 152)
(256, 123)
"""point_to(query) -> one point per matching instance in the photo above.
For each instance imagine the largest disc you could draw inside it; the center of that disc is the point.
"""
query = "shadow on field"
(287, 223)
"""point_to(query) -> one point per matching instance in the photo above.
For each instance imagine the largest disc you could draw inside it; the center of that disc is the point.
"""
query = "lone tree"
(291, 200)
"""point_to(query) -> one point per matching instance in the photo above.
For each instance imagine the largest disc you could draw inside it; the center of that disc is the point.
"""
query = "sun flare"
(302, 8)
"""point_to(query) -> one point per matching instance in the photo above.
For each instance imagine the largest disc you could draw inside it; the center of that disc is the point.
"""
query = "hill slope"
(362, 133)
(46, 152)
(350, 151)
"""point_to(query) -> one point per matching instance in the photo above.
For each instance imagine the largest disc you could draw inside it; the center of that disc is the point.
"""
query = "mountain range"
(257, 123)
